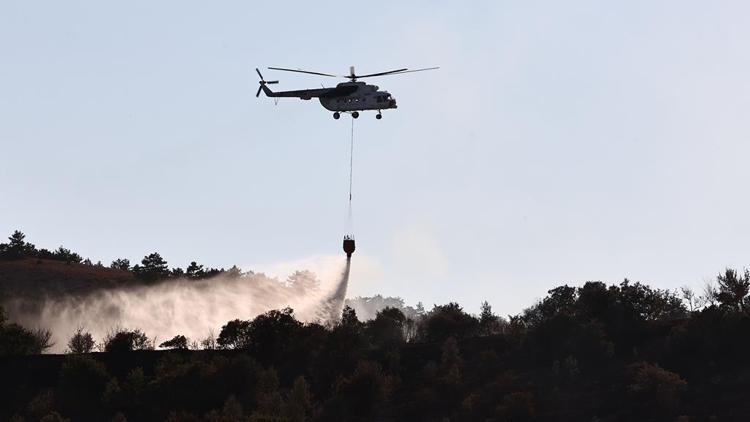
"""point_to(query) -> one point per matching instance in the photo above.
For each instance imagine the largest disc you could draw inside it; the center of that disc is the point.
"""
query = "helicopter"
(347, 97)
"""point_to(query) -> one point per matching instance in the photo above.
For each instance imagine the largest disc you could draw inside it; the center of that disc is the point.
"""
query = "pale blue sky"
(559, 142)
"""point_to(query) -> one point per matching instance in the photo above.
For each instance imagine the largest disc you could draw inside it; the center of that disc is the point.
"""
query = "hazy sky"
(559, 142)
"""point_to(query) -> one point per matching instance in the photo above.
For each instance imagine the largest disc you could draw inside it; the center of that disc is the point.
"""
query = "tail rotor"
(262, 82)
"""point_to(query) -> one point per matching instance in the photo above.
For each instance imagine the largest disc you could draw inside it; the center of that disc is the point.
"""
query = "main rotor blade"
(420, 70)
(380, 73)
(308, 72)
(397, 72)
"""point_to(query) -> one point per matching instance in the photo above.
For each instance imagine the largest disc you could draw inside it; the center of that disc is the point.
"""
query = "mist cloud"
(194, 308)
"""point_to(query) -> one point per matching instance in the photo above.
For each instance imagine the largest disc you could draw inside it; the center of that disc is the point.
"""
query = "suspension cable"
(351, 163)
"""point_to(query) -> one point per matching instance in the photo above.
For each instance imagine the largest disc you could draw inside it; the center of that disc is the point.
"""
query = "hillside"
(32, 277)
(598, 352)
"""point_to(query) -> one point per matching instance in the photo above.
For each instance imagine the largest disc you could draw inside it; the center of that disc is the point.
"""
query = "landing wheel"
(355, 114)
(336, 115)
(378, 116)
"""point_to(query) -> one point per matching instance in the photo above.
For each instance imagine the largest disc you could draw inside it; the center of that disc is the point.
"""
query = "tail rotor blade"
(272, 82)
(257, 94)
(261, 76)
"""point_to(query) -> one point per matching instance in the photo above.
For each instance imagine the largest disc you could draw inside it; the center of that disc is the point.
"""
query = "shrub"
(81, 342)
(177, 342)
(126, 341)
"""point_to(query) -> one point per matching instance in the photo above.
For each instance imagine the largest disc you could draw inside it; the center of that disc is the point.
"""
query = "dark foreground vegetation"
(624, 352)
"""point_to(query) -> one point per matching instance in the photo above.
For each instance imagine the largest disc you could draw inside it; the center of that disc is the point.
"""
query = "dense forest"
(598, 352)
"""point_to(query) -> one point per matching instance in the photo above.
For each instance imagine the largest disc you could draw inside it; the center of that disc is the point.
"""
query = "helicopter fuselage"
(362, 97)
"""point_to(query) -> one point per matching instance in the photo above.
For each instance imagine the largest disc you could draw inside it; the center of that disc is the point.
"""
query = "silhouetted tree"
(733, 288)
(234, 335)
(42, 253)
(64, 254)
(595, 301)
(448, 321)
(561, 300)
(195, 271)
(153, 267)
(349, 317)
(126, 341)
(644, 303)
(16, 241)
(177, 342)
(120, 264)
(489, 323)
(272, 333)
(81, 342)
(709, 295)
(212, 272)
(234, 272)
(387, 329)
(342, 345)
(17, 340)
(17, 247)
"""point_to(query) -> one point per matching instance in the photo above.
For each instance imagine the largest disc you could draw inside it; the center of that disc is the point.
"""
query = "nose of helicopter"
(392, 104)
